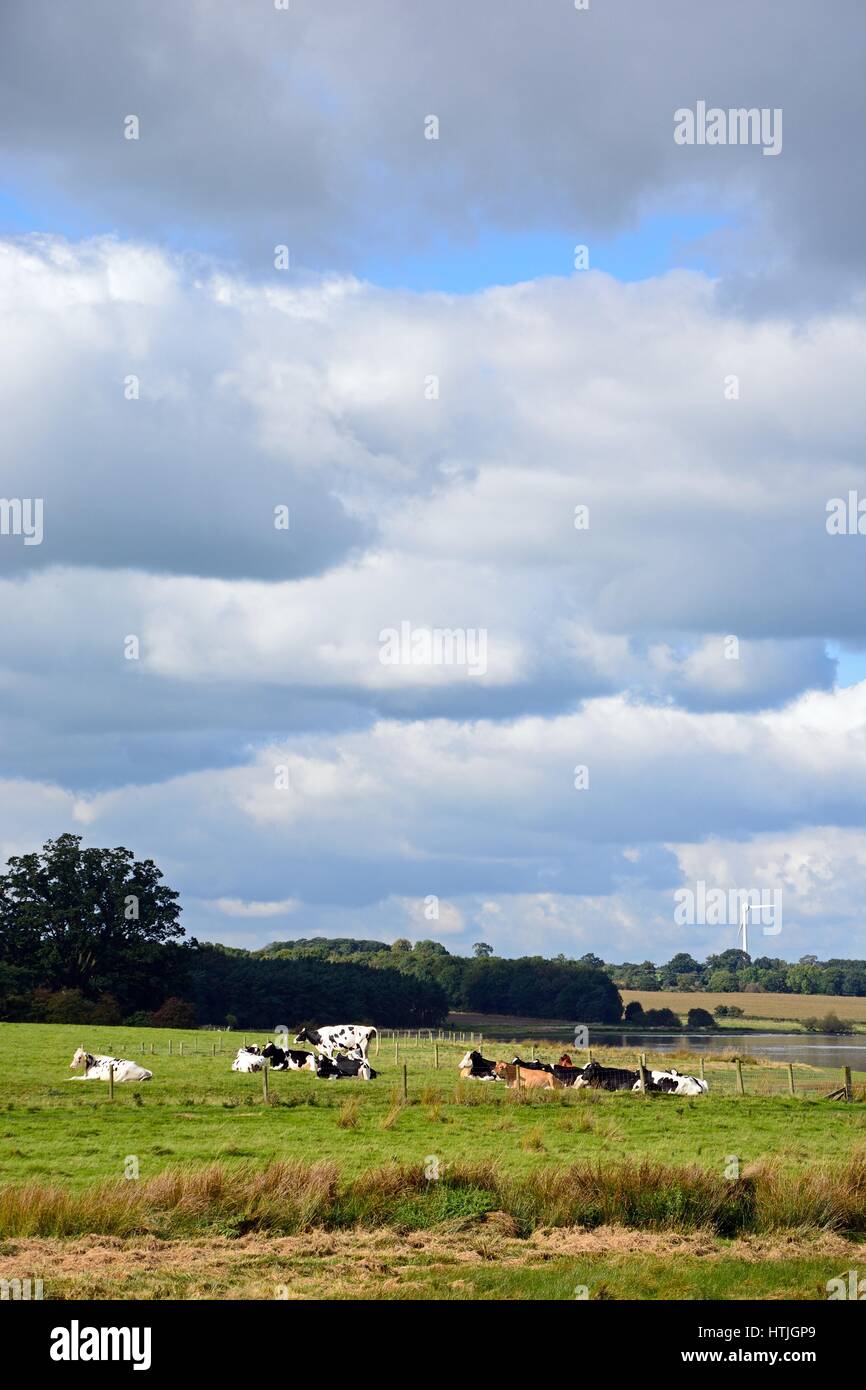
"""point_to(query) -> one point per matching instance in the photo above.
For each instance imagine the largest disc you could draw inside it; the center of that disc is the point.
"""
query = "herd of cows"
(340, 1053)
(518, 1072)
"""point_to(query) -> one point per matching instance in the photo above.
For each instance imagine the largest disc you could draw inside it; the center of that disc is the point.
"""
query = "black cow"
(474, 1067)
(605, 1078)
(342, 1067)
(283, 1060)
(532, 1066)
(566, 1075)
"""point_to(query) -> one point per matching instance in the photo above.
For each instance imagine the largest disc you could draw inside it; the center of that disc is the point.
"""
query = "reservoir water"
(817, 1049)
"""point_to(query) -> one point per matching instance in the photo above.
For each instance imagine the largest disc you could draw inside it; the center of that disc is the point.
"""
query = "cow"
(689, 1085)
(567, 1074)
(97, 1067)
(658, 1081)
(248, 1061)
(339, 1037)
(606, 1078)
(341, 1068)
(281, 1059)
(531, 1066)
(531, 1078)
(474, 1067)
(673, 1083)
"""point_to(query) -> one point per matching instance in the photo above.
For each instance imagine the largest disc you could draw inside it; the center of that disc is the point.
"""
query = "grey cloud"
(261, 126)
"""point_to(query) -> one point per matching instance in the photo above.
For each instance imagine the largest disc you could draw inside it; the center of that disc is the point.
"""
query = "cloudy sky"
(614, 478)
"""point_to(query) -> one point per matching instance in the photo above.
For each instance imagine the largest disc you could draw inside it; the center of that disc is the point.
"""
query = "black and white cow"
(341, 1068)
(248, 1059)
(281, 1059)
(339, 1037)
(605, 1078)
(658, 1081)
(675, 1084)
(97, 1068)
(474, 1067)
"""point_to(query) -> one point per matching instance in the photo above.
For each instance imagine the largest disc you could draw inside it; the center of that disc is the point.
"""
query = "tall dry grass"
(291, 1197)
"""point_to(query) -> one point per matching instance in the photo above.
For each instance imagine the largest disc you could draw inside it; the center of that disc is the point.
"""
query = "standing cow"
(339, 1037)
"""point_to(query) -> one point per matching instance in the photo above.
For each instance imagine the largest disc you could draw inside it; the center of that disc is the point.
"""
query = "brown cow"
(529, 1079)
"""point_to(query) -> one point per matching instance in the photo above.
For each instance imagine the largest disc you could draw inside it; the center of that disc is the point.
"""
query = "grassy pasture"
(496, 1151)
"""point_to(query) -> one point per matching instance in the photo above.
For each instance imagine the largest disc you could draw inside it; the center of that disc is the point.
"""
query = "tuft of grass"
(533, 1140)
(349, 1114)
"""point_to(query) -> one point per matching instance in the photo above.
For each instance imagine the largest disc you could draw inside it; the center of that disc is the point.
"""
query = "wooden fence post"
(405, 1082)
(169, 1047)
(791, 1090)
(641, 1072)
(111, 1081)
(740, 1087)
(702, 1068)
(436, 1055)
(849, 1092)
(265, 1070)
(181, 1047)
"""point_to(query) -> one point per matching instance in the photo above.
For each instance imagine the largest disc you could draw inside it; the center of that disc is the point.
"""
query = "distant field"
(337, 1171)
(775, 1006)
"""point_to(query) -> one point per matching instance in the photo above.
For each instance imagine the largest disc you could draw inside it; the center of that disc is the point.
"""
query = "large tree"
(74, 917)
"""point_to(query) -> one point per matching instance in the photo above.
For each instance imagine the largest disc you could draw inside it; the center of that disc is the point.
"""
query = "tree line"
(94, 936)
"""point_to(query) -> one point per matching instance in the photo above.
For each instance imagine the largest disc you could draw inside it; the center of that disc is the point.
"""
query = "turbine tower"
(744, 927)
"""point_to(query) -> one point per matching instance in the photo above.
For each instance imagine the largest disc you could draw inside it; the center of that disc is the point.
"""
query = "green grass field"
(485, 1141)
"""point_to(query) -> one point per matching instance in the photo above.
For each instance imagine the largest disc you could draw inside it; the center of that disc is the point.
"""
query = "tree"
(700, 1018)
(175, 1013)
(481, 950)
(75, 916)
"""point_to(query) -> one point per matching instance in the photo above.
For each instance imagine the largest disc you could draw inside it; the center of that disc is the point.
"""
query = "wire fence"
(436, 1049)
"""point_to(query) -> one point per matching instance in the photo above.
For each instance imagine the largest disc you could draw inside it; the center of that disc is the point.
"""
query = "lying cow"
(281, 1059)
(341, 1068)
(474, 1067)
(340, 1037)
(531, 1078)
(247, 1060)
(567, 1074)
(658, 1081)
(606, 1078)
(531, 1066)
(97, 1068)
(689, 1085)
(673, 1083)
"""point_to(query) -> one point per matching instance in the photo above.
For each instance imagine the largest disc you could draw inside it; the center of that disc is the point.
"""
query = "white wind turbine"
(743, 931)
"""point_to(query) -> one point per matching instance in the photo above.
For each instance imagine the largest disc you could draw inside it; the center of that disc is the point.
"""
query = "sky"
(437, 464)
